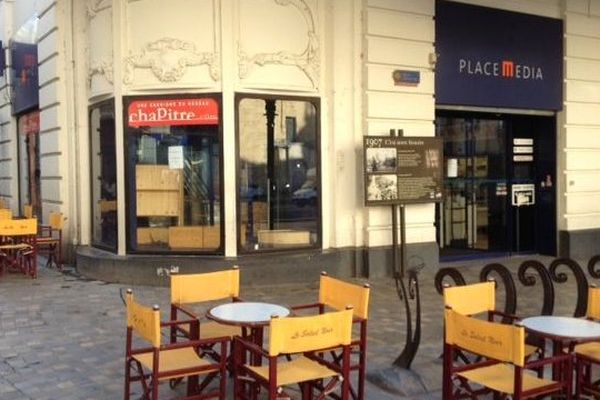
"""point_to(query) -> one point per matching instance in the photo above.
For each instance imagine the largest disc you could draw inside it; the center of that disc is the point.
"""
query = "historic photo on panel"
(382, 187)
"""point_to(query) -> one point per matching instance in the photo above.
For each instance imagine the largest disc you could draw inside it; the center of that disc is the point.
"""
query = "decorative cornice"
(308, 61)
(101, 68)
(168, 59)
(96, 6)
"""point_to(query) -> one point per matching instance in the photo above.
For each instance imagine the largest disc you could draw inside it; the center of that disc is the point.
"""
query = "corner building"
(198, 134)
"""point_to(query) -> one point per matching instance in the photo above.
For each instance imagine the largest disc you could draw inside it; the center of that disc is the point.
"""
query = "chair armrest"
(196, 343)
(305, 306)
(178, 322)
(247, 345)
(505, 315)
(186, 311)
(548, 360)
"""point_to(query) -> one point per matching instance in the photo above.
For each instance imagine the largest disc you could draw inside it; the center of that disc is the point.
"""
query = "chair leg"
(127, 380)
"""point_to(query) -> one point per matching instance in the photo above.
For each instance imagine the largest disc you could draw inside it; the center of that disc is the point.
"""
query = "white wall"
(399, 35)
(579, 140)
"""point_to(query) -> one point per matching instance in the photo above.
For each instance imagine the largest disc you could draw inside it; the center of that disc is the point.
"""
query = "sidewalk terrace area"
(62, 336)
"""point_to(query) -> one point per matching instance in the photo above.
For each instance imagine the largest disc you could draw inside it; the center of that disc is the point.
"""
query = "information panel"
(402, 170)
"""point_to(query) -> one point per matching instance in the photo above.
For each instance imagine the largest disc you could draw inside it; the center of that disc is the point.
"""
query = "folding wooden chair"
(480, 299)
(335, 294)
(18, 245)
(5, 213)
(502, 369)
(28, 211)
(151, 365)
(49, 239)
(304, 339)
(588, 354)
(190, 289)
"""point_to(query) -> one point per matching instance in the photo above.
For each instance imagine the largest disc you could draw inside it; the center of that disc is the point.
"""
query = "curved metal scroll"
(411, 346)
(510, 304)
(453, 273)
(530, 280)
(591, 267)
(580, 278)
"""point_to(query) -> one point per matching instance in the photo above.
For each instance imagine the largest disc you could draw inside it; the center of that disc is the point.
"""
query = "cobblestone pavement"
(62, 336)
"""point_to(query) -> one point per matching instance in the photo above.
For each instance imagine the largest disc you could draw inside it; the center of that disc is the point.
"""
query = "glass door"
(472, 217)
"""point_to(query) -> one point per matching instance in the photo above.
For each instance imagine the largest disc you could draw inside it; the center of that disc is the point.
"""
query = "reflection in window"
(279, 187)
(174, 175)
(104, 177)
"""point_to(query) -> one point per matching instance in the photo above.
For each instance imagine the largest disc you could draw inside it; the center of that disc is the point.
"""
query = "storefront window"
(174, 174)
(104, 176)
(29, 162)
(279, 190)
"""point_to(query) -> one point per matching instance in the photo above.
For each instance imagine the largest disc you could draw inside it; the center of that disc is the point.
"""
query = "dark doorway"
(485, 155)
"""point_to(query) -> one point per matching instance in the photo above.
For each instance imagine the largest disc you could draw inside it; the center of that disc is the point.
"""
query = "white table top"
(247, 313)
(563, 327)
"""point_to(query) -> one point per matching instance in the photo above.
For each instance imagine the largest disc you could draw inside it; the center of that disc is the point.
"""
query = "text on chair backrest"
(194, 288)
(339, 294)
(501, 342)
(471, 299)
(18, 227)
(299, 334)
(145, 321)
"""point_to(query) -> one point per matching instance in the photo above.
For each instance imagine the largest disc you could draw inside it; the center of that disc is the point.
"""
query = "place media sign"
(496, 58)
(402, 170)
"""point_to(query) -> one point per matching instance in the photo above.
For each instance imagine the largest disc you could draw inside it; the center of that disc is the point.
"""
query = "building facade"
(195, 134)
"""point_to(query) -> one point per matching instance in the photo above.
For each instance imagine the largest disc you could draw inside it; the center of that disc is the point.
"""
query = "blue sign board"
(408, 78)
(25, 79)
(494, 58)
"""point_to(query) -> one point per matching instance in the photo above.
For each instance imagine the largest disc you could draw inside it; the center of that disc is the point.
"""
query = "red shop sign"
(29, 124)
(173, 112)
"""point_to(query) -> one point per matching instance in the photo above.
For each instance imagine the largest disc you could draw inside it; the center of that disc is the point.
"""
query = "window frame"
(127, 100)
(316, 102)
(91, 108)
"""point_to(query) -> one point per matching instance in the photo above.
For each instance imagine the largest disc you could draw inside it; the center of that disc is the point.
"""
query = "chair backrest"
(471, 299)
(18, 227)
(593, 305)
(195, 288)
(300, 334)
(339, 294)
(28, 211)
(55, 220)
(145, 321)
(502, 342)
(5, 213)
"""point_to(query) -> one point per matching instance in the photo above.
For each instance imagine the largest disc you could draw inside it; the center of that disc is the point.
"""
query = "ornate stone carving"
(308, 61)
(96, 6)
(101, 68)
(168, 59)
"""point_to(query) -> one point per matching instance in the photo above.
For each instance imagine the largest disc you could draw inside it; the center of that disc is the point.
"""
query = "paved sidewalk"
(62, 336)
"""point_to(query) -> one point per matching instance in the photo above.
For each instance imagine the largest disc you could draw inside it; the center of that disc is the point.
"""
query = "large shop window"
(174, 174)
(278, 173)
(104, 175)
(30, 185)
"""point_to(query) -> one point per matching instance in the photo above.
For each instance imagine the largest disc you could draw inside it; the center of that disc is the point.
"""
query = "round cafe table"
(246, 313)
(252, 315)
(562, 331)
(565, 329)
